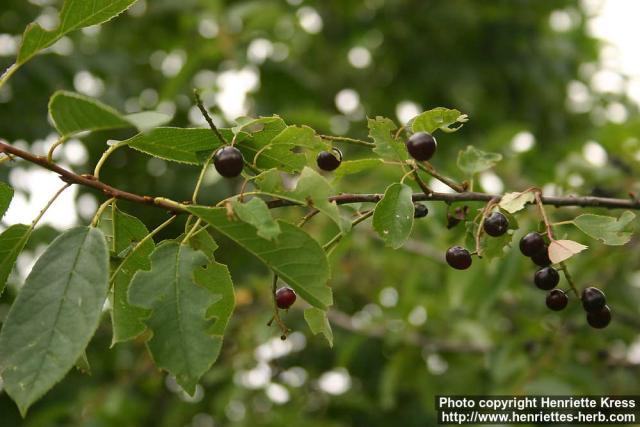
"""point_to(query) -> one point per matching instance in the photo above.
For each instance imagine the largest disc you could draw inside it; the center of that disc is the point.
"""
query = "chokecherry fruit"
(496, 224)
(285, 297)
(557, 300)
(546, 278)
(420, 210)
(542, 258)
(422, 146)
(600, 318)
(329, 160)
(531, 244)
(228, 161)
(458, 258)
(593, 299)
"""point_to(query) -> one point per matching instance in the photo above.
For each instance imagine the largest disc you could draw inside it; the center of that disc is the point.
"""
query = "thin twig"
(207, 117)
(426, 166)
(48, 205)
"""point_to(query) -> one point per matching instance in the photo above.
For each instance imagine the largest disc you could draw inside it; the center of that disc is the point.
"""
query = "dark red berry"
(421, 146)
(532, 244)
(228, 161)
(599, 319)
(458, 258)
(542, 258)
(285, 297)
(546, 278)
(496, 224)
(328, 160)
(593, 299)
(557, 300)
(420, 210)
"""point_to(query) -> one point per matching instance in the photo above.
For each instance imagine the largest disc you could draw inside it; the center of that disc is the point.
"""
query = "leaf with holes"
(561, 250)
(190, 301)
(257, 213)
(55, 315)
(393, 215)
(295, 256)
(472, 161)
(318, 323)
(609, 230)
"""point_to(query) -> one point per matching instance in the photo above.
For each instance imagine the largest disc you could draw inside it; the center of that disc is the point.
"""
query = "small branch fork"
(174, 207)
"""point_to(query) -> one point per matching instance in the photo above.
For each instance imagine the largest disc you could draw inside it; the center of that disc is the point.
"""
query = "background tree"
(406, 326)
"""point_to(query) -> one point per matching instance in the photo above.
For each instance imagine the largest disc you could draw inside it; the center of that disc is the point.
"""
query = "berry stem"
(567, 276)
(543, 213)
(348, 140)
(55, 145)
(484, 214)
(48, 205)
(109, 151)
(101, 209)
(276, 312)
(428, 168)
(207, 117)
(8, 73)
(331, 244)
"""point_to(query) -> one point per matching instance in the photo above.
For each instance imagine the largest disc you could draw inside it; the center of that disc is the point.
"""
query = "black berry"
(228, 161)
(557, 300)
(546, 278)
(599, 319)
(532, 244)
(285, 297)
(421, 146)
(593, 299)
(542, 257)
(458, 258)
(496, 224)
(420, 210)
(329, 161)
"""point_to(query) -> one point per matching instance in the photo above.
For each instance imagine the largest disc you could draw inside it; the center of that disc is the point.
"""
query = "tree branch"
(341, 199)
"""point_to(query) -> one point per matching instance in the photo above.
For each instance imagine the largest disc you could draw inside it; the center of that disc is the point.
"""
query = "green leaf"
(438, 118)
(295, 256)
(72, 113)
(55, 315)
(82, 364)
(472, 161)
(190, 302)
(12, 241)
(183, 145)
(202, 241)
(128, 231)
(318, 323)
(350, 167)
(609, 230)
(257, 213)
(6, 194)
(514, 202)
(381, 131)
(301, 136)
(75, 14)
(261, 149)
(393, 215)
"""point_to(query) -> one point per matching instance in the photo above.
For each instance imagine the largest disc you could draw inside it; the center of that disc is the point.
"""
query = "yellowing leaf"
(514, 202)
(561, 250)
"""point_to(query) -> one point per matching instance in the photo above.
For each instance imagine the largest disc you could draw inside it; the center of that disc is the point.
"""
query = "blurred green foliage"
(406, 327)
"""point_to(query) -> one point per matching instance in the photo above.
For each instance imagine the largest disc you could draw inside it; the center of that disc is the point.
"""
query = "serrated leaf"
(393, 215)
(438, 118)
(183, 145)
(319, 323)
(73, 113)
(190, 302)
(350, 167)
(203, 241)
(609, 230)
(561, 250)
(127, 232)
(472, 161)
(257, 213)
(12, 241)
(6, 194)
(514, 202)
(75, 14)
(381, 130)
(295, 256)
(301, 136)
(243, 123)
(55, 315)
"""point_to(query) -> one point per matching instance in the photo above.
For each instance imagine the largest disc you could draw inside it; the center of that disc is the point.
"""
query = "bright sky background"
(615, 21)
